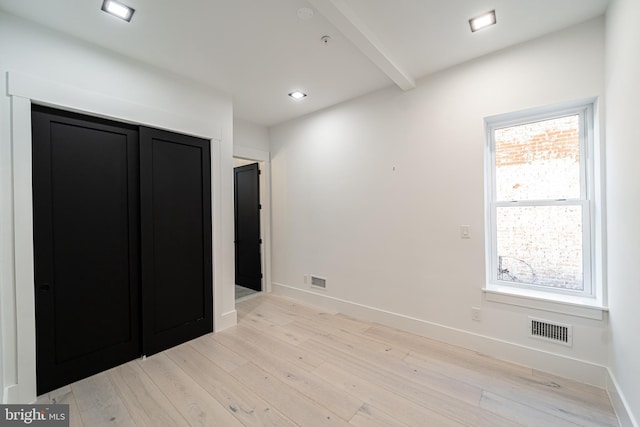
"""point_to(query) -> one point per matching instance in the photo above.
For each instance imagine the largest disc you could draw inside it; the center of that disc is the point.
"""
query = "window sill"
(589, 308)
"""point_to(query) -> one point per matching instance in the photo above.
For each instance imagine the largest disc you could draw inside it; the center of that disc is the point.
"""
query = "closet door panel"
(85, 183)
(176, 238)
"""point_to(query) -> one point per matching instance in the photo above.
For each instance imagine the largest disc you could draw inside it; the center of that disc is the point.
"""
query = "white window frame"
(587, 139)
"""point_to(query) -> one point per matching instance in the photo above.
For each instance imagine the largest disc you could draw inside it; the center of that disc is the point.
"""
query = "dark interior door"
(175, 188)
(86, 245)
(247, 226)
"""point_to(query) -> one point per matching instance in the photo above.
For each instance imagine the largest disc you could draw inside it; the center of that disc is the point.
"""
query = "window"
(539, 200)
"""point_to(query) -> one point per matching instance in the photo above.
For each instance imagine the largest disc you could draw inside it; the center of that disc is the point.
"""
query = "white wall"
(370, 194)
(250, 135)
(623, 195)
(54, 69)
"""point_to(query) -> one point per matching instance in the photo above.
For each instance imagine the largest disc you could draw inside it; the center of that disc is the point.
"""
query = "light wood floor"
(290, 364)
(242, 292)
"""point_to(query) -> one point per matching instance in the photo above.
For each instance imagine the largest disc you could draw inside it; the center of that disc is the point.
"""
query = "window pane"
(540, 245)
(539, 160)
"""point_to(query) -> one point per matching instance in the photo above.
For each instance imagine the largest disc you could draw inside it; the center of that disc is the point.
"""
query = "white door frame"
(264, 157)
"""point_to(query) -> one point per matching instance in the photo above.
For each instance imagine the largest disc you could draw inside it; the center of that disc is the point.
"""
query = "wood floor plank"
(194, 403)
(543, 395)
(392, 366)
(357, 339)
(218, 353)
(426, 346)
(524, 414)
(366, 389)
(99, 403)
(266, 310)
(298, 307)
(75, 420)
(245, 405)
(288, 363)
(281, 348)
(370, 416)
(473, 373)
(300, 379)
(301, 409)
(276, 330)
(297, 356)
(245, 306)
(43, 399)
(585, 392)
(422, 395)
(64, 396)
(147, 405)
(323, 319)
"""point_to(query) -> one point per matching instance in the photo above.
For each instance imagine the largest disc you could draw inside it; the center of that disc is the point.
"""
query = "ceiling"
(260, 50)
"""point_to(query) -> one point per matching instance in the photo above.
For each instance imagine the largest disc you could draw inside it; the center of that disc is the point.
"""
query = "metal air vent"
(318, 282)
(551, 331)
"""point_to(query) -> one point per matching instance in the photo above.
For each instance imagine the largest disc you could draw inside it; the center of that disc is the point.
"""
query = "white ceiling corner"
(346, 20)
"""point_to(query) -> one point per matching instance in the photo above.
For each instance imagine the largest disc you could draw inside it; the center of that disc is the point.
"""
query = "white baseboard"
(11, 394)
(227, 320)
(620, 405)
(567, 367)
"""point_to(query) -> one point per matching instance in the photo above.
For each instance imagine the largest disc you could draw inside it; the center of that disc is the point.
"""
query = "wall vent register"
(551, 331)
(318, 282)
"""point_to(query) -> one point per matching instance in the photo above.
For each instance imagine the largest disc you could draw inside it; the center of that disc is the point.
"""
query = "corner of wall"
(620, 404)
(623, 204)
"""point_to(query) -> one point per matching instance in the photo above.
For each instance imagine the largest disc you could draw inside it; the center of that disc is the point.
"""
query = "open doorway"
(248, 229)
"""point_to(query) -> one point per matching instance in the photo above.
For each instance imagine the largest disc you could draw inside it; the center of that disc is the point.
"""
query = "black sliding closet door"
(86, 245)
(175, 188)
(122, 243)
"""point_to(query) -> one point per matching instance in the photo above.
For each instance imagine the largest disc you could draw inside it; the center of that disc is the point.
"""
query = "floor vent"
(551, 331)
(318, 282)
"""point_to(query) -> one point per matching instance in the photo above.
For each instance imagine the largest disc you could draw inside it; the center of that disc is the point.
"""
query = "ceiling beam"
(345, 19)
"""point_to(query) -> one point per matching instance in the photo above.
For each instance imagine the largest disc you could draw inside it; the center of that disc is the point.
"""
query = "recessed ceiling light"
(482, 21)
(296, 94)
(118, 9)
